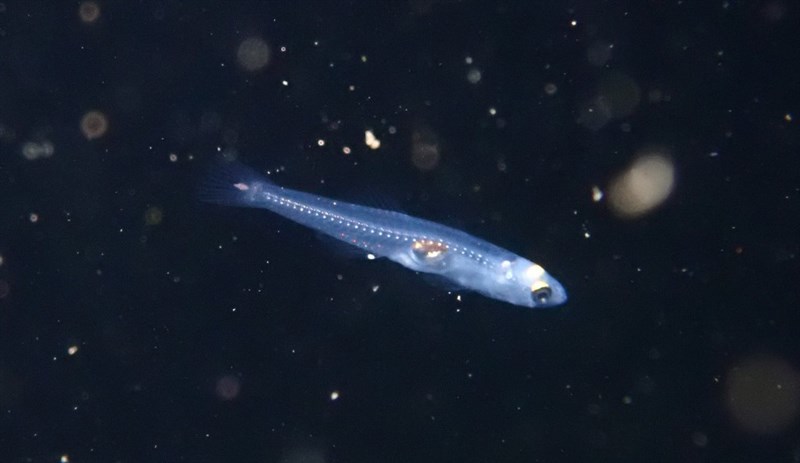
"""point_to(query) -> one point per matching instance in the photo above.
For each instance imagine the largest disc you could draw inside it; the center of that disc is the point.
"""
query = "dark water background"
(139, 325)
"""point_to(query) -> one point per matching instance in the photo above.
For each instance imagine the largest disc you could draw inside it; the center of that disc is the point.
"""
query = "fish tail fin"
(231, 183)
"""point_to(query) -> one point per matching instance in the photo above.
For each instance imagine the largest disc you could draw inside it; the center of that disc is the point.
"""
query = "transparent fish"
(420, 245)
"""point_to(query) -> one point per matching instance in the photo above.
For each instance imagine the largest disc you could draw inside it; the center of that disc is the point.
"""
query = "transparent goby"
(420, 245)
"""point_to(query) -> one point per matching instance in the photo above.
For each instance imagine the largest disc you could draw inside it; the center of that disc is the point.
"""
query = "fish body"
(418, 244)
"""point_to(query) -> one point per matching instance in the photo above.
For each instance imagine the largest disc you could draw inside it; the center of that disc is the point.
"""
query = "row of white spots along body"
(356, 225)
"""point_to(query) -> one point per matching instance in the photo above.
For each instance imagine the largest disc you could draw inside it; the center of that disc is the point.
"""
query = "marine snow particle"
(642, 187)
(763, 394)
(228, 387)
(94, 124)
(89, 12)
(253, 54)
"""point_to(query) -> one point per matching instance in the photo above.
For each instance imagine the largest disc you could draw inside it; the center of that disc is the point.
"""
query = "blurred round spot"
(37, 150)
(94, 124)
(621, 93)
(550, 89)
(617, 96)
(89, 12)
(253, 54)
(646, 184)
(473, 76)
(153, 215)
(501, 165)
(762, 394)
(303, 455)
(425, 153)
(700, 439)
(228, 387)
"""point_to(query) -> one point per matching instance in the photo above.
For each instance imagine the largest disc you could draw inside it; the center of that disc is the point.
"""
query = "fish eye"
(541, 295)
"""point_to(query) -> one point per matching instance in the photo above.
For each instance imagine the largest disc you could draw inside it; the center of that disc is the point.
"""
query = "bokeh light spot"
(94, 124)
(37, 150)
(642, 187)
(700, 439)
(473, 76)
(153, 215)
(89, 12)
(304, 455)
(425, 154)
(228, 387)
(762, 394)
(253, 54)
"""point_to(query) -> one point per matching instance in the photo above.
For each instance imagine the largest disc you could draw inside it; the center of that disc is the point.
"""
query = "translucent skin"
(421, 245)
